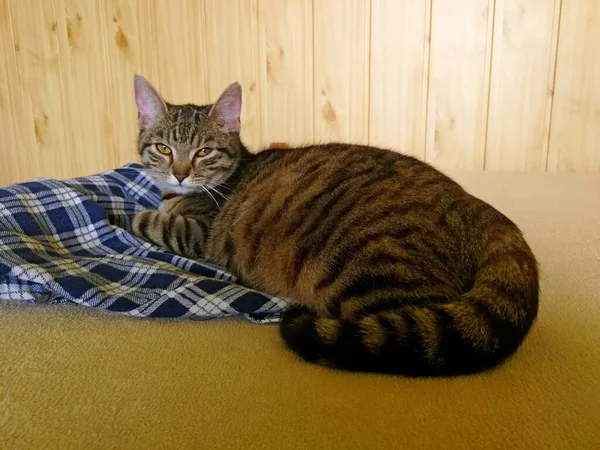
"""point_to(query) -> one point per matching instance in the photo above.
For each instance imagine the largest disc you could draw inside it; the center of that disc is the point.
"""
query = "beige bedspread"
(77, 378)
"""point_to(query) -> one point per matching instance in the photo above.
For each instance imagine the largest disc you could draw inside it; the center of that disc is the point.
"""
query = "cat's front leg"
(181, 235)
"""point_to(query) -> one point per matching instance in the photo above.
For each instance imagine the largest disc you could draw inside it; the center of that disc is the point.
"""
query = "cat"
(390, 266)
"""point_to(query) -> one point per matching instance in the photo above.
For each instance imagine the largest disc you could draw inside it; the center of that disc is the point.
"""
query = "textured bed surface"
(74, 377)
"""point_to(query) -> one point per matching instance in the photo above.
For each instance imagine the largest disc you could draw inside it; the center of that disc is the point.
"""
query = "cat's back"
(296, 207)
(341, 170)
(343, 163)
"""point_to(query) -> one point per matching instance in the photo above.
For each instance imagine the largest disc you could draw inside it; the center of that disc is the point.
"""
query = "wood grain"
(285, 51)
(575, 127)
(507, 85)
(38, 64)
(15, 125)
(236, 23)
(179, 29)
(89, 116)
(522, 84)
(341, 70)
(148, 55)
(461, 35)
(123, 49)
(399, 75)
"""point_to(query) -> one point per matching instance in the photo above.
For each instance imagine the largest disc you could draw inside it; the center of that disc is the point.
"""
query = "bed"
(78, 375)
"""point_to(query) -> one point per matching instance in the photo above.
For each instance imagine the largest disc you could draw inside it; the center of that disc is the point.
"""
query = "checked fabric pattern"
(70, 242)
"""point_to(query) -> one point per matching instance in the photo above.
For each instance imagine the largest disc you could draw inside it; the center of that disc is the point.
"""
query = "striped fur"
(391, 266)
(182, 224)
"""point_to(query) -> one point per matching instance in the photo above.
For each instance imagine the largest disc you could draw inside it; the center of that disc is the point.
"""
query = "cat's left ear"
(151, 107)
(228, 107)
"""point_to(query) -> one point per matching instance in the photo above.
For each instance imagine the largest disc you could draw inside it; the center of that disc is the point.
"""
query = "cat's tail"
(469, 333)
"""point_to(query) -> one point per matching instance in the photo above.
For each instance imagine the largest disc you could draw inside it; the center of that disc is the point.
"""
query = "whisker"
(224, 187)
(225, 183)
(211, 196)
(217, 192)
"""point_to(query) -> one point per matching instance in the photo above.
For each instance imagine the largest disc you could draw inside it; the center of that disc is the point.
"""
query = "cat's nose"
(180, 176)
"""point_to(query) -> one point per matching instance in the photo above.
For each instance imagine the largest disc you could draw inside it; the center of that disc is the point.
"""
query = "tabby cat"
(390, 265)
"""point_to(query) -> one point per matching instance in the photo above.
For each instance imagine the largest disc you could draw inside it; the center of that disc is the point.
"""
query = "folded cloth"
(70, 242)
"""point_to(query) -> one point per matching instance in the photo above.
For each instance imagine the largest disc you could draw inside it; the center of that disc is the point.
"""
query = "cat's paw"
(178, 234)
(142, 224)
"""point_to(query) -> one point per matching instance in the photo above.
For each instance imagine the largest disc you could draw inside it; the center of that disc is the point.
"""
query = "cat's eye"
(163, 149)
(203, 152)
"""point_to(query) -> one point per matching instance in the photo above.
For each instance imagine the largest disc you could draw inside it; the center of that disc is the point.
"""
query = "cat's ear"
(151, 107)
(228, 107)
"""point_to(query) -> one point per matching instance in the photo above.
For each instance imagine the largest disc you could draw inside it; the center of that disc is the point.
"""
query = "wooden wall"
(507, 85)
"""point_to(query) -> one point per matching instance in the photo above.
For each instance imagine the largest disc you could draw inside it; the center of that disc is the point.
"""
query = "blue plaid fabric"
(70, 242)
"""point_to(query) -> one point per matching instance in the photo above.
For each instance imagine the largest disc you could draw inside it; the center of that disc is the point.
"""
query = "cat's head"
(185, 147)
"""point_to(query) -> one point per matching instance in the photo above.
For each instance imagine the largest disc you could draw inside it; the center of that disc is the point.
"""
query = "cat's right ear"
(151, 107)
(227, 108)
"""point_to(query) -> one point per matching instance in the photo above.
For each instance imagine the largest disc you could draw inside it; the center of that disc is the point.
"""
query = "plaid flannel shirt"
(70, 242)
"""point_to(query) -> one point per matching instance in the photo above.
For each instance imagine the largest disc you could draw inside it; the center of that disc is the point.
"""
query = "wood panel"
(471, 84)
(17, 136)
(123, 49)
(285, 47)
(235, 22)
(148, 56)
(38, 65)
(523, 61)
(461, 35)
(179, 41)
(575, 127)
(89, 116)
(399, 73)
(341, 70)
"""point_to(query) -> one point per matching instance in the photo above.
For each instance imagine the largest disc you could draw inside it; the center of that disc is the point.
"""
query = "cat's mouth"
(178, 189)
(168, 183)
(181, 183)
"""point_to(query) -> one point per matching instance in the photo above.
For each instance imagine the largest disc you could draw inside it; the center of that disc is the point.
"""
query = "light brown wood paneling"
(461, 36)
(399, 74)
(38, 64)
(15, 124)
(179, 29)
(235, 22)
(89, 117)
(123, 49)
(147, 48)
(341, 69)
(523, 59)
(575, 128)
(286, 56)
(507, 85)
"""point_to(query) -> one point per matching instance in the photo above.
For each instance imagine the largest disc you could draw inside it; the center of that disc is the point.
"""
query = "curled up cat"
(390, 265)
